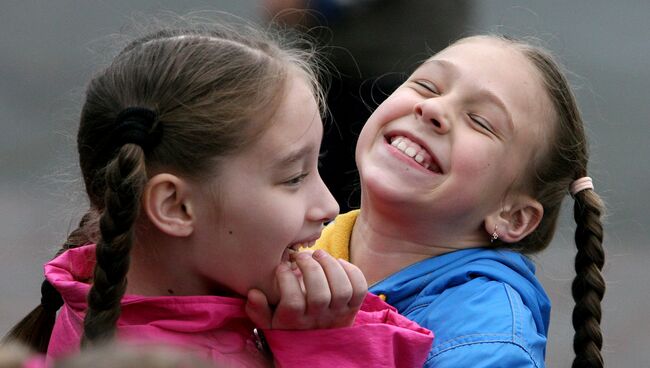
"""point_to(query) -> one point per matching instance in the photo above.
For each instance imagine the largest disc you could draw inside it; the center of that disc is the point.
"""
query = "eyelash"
(433, 89)
(428, 86)
(483, 125)
(296, 180)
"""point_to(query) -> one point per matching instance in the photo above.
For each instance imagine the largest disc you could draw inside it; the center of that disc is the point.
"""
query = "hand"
(327, 294)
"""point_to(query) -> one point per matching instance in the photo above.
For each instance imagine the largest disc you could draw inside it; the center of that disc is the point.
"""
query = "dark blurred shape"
(113, 355)
(374, 45)
(135, 356)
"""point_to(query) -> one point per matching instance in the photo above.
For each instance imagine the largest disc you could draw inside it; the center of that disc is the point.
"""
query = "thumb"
(258, 309)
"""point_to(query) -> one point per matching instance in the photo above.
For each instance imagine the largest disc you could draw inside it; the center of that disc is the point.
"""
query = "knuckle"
(318, 301)
(342, 297)
(292, 305)
(357, 297)
(309, 265)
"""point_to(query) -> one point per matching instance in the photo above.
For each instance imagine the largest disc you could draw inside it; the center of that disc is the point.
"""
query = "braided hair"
(176, 99)
(551, 174)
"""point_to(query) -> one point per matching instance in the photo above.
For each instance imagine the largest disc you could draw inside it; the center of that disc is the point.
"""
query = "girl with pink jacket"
(199, 153)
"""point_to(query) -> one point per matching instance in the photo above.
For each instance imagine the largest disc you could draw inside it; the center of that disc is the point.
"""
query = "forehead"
(503, 69)
(495, 65)
(295, 124)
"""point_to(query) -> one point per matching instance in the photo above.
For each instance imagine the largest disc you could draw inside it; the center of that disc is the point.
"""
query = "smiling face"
(448, 146)
(266, 201)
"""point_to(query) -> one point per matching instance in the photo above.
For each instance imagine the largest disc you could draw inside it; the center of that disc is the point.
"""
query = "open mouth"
(416, 152)
(293, 249)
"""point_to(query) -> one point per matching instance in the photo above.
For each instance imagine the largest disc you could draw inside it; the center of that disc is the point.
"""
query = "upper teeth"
(297, 246)
(413, 150)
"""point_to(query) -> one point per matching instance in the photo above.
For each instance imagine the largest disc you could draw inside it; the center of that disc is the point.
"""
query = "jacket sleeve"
(380, 337)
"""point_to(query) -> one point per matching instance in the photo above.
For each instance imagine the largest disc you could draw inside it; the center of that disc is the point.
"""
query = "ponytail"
(588, 287)
(125, 178)
(35, 329)
(562, 167)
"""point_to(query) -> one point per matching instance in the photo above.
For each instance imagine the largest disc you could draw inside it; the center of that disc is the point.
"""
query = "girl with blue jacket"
(463, 171)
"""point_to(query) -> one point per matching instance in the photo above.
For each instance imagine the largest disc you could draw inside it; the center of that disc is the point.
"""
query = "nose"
(324, 207)
(429, 112)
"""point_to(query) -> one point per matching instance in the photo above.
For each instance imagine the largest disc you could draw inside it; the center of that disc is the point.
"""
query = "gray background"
(48, 50)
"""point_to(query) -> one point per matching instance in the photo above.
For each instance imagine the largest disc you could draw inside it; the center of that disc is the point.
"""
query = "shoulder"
(479, 319)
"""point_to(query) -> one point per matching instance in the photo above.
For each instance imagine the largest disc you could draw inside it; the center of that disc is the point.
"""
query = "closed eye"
(428, 86)
(481, 122)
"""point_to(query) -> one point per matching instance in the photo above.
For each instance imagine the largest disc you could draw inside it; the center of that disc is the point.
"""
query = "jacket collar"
(70, 273)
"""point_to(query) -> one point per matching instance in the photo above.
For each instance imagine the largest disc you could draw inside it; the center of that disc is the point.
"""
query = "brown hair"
(206, 84)
(564, 160)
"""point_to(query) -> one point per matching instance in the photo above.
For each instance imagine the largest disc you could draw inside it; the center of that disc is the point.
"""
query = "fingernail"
(282, 267)
(319, 253)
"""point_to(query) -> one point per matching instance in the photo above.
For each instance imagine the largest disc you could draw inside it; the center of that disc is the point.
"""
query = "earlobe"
(516, 220)
(167, 205)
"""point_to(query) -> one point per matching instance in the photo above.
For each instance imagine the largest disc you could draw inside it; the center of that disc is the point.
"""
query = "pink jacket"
(219, 328)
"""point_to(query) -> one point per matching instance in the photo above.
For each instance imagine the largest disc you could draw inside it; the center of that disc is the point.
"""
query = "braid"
(588, 287)
(125, 179)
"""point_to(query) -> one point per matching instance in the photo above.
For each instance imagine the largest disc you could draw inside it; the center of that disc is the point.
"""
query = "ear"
(518, 217)
(167, 204)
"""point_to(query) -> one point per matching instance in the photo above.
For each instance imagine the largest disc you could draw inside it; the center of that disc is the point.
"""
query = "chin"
(378, 186)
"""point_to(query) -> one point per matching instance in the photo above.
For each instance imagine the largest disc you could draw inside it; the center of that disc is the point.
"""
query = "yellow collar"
(335, 238)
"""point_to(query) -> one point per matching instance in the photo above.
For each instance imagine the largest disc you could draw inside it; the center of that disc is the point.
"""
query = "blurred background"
(49, 49)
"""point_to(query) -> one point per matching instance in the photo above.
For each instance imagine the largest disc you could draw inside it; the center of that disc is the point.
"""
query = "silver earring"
(495, 235)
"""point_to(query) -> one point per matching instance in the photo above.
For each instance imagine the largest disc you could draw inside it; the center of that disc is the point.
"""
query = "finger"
(358, 282)
(258, 309)
(294, 265)
(316, 284)
(338, 280)
(302, 250)
(291, 307)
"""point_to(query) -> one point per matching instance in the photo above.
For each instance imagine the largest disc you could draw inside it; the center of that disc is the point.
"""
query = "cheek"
(245, 262)
(393, 108)
(473, 161)
(488, 169)
(366, 136)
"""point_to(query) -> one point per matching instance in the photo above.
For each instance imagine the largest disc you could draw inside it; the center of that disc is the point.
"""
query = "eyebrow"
(452, 69)
(449, 66)
(293, 156)
(489, 95)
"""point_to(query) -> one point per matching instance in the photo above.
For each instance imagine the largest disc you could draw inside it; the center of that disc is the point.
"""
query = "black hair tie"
(137, 125)
(50, 298)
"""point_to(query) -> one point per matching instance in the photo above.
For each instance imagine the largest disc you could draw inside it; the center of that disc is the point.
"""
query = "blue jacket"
(485, 306)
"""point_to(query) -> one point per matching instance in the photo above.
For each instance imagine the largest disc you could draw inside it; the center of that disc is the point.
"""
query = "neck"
(155, 262)
(379, 252)
(388, 236)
